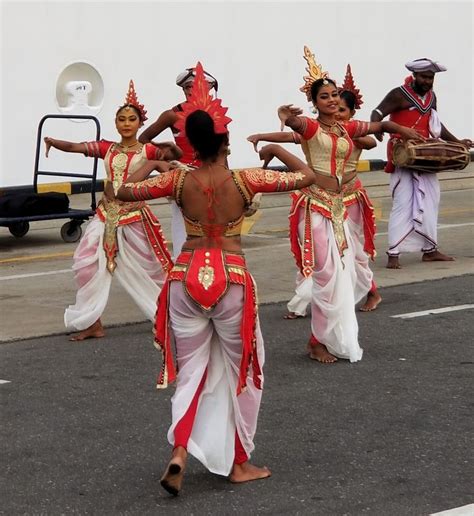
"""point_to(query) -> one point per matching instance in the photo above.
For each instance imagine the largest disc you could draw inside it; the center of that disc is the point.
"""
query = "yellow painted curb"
(249, 222)
(363, 165)
(55, 187)
(37, 257)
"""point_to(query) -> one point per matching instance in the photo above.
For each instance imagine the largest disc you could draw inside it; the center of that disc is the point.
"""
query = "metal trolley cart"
(71, 231)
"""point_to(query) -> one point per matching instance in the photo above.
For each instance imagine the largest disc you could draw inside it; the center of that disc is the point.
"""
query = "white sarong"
(413, 220)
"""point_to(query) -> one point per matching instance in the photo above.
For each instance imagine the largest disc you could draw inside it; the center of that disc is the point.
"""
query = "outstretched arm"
(150, 189)
(389, 104)
(292, 162)
(64, 146)
(283, 137)
(357, 129)
(165, 120)
(365, 142)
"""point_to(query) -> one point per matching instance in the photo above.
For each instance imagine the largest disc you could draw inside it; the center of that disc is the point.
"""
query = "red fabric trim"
(162, 338)
(249, 339)
(368, 218)
(104, 146)
(240, 453)
(153, 152)
(293, 217)
(154, 234)
(311, 129)
(334, 138)
(183, 429)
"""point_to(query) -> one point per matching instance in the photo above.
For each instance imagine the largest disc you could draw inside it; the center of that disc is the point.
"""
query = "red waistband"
(229, 258)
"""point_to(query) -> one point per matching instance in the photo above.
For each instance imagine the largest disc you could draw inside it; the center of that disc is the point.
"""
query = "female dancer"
(350, 100)
(167, 120)
(124, 238)
(209, 301)
(324, 239)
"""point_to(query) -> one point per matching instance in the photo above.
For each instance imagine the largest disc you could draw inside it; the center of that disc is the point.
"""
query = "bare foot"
(246, 472)
(372, 301)
(436, 256)
(320, 353)
(293, 315)
(393, 263)
(96, 331)
(172, 478)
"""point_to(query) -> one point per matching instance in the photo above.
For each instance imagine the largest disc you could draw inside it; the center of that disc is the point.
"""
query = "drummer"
(412, 226)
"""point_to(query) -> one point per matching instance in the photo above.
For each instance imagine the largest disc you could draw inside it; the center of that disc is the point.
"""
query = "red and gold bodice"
(119, 164)
(329, 152)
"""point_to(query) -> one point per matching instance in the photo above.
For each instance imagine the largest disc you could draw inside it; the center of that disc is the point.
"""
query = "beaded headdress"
(201, 99)
(314, 70)
(132, 100)
(349, 85)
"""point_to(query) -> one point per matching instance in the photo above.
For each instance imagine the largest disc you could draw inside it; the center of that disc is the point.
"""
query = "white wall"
(254, 48)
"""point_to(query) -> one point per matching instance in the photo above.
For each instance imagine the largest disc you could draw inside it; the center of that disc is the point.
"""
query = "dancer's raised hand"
(254, 139)
(286, 111)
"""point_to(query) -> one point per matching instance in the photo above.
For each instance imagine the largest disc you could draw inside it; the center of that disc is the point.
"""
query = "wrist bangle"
(379, 112)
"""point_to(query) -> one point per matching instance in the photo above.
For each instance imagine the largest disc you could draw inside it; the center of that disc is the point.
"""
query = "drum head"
(400, 155)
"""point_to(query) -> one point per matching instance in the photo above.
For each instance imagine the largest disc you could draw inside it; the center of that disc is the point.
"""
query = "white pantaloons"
(138, 270)
(211, 342)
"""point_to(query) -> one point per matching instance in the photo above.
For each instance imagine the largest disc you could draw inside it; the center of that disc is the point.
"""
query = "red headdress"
(349, 85)
(200, 99)
(132, 100)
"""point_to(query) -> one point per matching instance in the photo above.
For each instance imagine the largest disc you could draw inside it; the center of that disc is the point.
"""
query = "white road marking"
(440, 226)
(33, 274)
(412, 315)
(5, 381)
(465, 510)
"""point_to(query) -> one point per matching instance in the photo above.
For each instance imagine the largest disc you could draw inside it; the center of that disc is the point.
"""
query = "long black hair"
(200, 133)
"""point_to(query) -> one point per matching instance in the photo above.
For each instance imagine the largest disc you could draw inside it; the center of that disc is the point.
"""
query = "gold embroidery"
(206, 276)
(119, 164)
(161, 180)
(179, 268)
(236, 270)
(110, 235)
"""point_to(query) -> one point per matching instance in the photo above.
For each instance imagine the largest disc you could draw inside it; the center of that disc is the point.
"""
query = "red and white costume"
(123, 239)
(208, 306)
(332, 235)
(413, 220)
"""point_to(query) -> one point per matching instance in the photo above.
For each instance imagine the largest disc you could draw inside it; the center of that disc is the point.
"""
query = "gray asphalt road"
(84, 428)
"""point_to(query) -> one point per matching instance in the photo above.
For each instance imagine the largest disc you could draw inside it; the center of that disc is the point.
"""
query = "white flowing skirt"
(413, 220)
(212, 342)
(138, 270)
(304, 286)
(336, 284)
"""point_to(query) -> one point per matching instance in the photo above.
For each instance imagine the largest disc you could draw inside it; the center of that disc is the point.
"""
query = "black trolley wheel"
(19, 229)
(71, 231)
